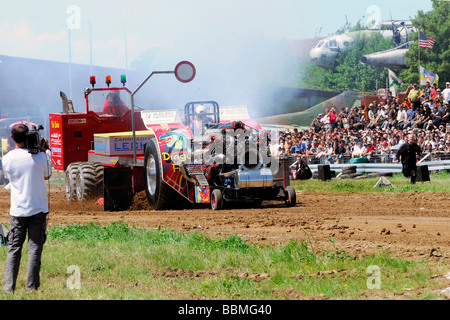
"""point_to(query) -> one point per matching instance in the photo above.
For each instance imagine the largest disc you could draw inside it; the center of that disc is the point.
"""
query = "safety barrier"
(373, 158)
(385, 167)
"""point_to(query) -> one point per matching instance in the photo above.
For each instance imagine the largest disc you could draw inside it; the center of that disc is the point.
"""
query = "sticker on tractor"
(202, 194)
(76, 121)
(158, 117)
(54, 124)
(173, 144)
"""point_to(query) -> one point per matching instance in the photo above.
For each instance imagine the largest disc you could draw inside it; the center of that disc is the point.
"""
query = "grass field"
(118, 261)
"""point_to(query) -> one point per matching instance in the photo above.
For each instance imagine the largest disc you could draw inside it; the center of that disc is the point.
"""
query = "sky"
(38, 29)
(238, 47)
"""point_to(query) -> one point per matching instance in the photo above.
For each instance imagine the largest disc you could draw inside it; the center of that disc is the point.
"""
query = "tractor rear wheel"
(158, 192)
(89, 180)
(70, 181)
(291, 197)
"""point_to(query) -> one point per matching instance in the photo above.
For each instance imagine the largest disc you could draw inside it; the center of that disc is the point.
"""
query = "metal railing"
(373, 158)
(385, 167)
(384, 163)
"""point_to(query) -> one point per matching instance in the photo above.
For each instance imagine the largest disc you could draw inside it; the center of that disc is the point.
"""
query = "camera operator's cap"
(447, 83)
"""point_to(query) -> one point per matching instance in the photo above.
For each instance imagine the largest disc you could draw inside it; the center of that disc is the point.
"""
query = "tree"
(436, 25)
(350, 73)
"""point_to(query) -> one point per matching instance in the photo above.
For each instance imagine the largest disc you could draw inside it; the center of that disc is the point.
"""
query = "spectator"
(426, 115)
(316, 125)
(359, 150)
(439, 96)
(436, 119)
(446, 116)
(402, 117)
(313, 150)
(301, 169)
(433, 92)
(427, 90)
(414, 95)
(339, 143)
(372, 116)
(332, 118)
(296, 147)
(446, 92)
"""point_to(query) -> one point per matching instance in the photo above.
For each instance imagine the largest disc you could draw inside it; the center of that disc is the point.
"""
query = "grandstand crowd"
(376, 131)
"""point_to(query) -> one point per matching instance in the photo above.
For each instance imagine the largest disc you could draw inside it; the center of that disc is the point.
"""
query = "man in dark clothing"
(302, 170)
(407, 155)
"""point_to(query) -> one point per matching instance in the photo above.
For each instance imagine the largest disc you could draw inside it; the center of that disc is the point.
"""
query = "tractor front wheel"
(291, 197)
(216, 199)
(158, 192)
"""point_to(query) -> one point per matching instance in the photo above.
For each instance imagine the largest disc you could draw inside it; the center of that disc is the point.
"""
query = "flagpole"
(419, 56)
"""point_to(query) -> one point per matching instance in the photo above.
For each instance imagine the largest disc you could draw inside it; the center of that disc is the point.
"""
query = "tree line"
(351, 74)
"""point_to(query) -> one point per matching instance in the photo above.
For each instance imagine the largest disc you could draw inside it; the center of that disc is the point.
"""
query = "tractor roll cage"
(189, 111)
(88, 91)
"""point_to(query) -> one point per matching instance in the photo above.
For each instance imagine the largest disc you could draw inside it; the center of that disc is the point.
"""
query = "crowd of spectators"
(376, 132)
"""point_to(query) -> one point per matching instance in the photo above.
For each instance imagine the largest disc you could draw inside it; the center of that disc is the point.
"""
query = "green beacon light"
(123, 79)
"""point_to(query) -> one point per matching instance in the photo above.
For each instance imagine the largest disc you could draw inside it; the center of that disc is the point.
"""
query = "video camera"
(35, 141)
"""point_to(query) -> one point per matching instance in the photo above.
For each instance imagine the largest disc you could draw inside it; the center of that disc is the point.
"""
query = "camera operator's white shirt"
(26, 173)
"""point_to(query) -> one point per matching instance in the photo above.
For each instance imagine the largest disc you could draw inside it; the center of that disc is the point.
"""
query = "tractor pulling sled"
(215, 160)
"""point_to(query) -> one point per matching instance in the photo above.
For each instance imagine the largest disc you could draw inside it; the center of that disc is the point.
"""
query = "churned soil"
(413, 225)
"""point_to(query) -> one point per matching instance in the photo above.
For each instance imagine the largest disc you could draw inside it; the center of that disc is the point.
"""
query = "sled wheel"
(89, 180)
(70, 181)
(216, 200)
(158, 192)
(291, 197)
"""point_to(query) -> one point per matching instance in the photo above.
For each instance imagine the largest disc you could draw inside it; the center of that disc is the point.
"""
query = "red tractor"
(207, 157)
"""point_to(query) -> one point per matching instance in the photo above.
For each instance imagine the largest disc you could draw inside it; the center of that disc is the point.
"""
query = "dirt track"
(411, 225)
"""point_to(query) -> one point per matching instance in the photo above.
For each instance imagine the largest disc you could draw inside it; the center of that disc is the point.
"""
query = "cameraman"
(27, 173)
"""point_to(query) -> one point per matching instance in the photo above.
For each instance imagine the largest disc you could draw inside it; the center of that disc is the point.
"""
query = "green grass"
(438, 183)
(118, 261)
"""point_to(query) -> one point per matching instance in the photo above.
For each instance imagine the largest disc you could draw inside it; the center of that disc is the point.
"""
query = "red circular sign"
(185, 71)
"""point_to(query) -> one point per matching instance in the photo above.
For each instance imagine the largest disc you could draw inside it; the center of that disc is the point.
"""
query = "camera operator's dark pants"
(19, 226)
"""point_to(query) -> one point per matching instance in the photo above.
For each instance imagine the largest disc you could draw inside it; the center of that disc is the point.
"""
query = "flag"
(427, 75)
(394, 82)
(425, 41)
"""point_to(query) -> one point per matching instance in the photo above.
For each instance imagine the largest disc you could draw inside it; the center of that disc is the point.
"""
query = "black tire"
(2, 177)
(89, 180)
(216, 200)
(349, 170)
(291, 197)
(70, 181)
(158, 192)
